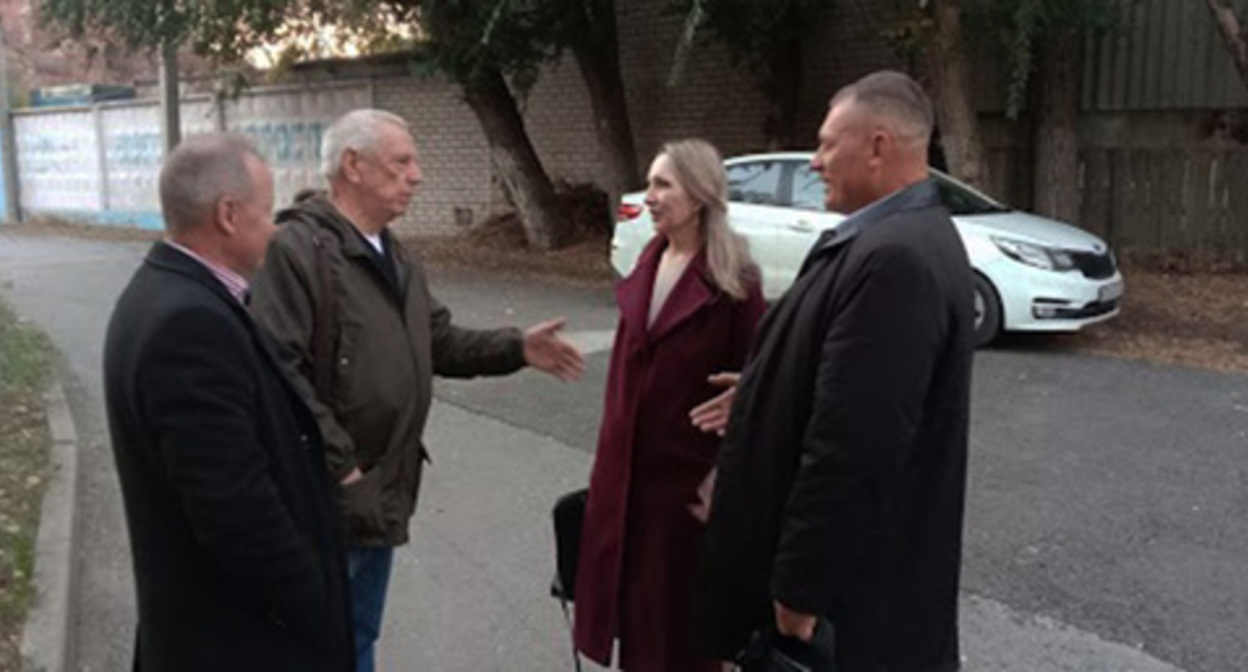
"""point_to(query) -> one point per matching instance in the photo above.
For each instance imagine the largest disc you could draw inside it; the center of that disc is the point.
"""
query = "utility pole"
(170, 119)
(8, 144)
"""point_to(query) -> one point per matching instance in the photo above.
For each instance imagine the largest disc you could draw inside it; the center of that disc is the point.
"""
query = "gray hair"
(895, 97)
(201, 171)
(356, 130)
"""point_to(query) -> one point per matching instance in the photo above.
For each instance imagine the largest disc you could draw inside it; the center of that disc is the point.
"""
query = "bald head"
(892, 100)
(200, 172)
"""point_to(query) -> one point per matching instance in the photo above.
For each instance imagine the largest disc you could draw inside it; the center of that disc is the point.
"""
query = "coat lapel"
(633, 292)
(692, 292)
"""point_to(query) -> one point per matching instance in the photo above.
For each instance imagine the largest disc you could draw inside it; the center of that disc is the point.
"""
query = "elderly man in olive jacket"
(352, 308)
(841, 482)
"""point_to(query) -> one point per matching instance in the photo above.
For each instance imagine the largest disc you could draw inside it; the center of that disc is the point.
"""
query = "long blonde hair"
(700, 170)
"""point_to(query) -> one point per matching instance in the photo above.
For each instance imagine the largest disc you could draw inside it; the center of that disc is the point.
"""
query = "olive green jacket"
(370, 350)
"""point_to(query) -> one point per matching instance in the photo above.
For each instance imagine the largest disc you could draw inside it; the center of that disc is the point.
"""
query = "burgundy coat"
(640, 545)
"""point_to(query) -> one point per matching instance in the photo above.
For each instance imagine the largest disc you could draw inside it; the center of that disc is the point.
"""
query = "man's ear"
(881, 143)
(351, 165)
(225, 216)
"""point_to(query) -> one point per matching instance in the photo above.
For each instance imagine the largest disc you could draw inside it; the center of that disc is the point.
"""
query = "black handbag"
(769, 651)
(568, 515)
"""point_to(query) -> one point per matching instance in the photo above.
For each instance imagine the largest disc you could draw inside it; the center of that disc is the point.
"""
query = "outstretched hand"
(545, 351)
(712, 416)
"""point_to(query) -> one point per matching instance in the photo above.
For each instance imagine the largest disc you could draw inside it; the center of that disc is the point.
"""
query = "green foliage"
(1013, 31)
(226, 27)
(457, 36)
(754, 30)
(1016, 30)
(467, 35)
(909, 29)
(25, 354)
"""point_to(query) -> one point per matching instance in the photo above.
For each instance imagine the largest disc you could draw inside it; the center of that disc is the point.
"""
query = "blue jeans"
(368, 568)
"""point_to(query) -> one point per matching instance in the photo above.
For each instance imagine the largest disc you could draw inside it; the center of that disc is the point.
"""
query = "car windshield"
(963, 201)
(808, 193)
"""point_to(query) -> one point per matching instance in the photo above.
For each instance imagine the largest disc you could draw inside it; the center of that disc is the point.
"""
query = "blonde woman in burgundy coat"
(687, 311)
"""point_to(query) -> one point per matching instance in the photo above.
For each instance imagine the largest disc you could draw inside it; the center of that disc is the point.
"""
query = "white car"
(1031, 273)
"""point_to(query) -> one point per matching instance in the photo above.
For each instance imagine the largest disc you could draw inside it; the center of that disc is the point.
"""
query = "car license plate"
(1110, 292)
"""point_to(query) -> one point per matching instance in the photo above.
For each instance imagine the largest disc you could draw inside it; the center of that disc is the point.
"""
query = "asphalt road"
(1107, 517)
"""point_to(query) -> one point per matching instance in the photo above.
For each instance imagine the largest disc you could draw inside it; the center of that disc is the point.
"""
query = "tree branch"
(1234, 35)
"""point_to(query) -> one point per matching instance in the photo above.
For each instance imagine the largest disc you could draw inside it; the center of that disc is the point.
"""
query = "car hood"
(1034, 229)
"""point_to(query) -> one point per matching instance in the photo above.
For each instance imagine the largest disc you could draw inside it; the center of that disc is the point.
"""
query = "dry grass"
(25, 359)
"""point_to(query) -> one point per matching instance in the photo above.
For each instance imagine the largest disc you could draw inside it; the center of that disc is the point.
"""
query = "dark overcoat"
(842, 477)
(640, 544)
(236, 545)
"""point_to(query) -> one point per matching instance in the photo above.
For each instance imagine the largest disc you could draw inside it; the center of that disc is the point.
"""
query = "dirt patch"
(55, 226)
(1189, 319)
(503, 252)
(25, 360)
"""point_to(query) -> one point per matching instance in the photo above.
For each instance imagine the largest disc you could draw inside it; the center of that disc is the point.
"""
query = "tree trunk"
(1234, 34)
(955, 112)
(598, 58)
(1055, 118)
(783, 90)
(525, 182)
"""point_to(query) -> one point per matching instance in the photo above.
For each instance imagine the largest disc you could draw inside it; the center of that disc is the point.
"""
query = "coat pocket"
(361, 504)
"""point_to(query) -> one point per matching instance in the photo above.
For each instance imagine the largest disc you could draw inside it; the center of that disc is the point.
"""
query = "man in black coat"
(840, 485)
(235, 541)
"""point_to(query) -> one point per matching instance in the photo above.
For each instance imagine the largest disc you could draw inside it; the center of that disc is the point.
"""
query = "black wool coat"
(236, 545)
(842, 477)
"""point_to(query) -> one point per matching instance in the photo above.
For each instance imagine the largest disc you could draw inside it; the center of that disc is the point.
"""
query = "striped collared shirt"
(234, 283)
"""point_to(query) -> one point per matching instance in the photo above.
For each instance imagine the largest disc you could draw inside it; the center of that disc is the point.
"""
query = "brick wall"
(454, 155)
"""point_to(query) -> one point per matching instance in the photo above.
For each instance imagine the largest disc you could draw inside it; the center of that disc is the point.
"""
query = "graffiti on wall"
(57, 162)
(103, 163)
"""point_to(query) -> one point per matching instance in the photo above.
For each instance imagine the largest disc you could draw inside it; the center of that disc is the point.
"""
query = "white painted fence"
(100, 163)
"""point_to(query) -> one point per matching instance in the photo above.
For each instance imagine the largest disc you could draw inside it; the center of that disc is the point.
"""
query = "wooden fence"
(1189, 203)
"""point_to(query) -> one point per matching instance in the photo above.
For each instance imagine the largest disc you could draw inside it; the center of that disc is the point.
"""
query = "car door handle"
(801, 226)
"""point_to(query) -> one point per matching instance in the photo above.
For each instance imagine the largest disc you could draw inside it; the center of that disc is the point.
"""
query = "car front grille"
(1094, 266)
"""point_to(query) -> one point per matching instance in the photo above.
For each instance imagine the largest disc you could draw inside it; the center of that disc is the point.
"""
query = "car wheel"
(987, 312)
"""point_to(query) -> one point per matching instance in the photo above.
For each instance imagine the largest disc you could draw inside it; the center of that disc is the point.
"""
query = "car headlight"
(1048, 258)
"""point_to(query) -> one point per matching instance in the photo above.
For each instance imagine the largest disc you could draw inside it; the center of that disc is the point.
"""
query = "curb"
(46, 644)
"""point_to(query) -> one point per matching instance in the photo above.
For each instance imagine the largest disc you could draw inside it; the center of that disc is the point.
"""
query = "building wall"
(720, 101)
(714, 100)
(454, 156)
